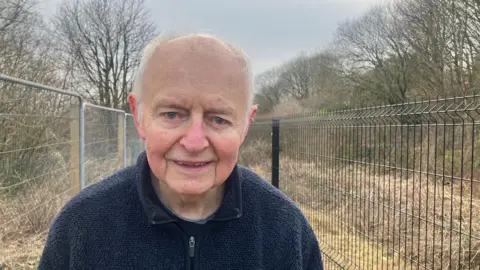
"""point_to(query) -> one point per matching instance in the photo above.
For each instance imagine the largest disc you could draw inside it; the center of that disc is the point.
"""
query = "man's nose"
(195, 139)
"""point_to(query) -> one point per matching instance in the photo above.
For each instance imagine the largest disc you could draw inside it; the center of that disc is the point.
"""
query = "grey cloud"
(270, 31)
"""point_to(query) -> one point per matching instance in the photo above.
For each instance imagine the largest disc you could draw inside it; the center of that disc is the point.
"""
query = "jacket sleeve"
(56, 251)
(312, 256)
(304, 253)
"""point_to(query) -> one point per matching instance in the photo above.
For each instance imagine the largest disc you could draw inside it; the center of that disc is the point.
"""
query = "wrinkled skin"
(194, 111)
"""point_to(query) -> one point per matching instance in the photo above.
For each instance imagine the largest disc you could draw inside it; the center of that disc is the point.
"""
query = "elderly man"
(186, 204)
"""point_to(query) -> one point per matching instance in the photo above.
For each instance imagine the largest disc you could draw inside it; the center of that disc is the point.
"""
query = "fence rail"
(385, 187)
(52, 144)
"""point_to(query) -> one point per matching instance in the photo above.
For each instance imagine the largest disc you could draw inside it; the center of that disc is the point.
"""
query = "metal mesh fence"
(104, 142)
(134, 144)
(51, 146)
(38, 172)
(389, 187)
(256, 151)
(385, 187)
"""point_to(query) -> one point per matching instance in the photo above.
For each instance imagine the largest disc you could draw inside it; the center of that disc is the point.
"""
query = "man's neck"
(188, 207)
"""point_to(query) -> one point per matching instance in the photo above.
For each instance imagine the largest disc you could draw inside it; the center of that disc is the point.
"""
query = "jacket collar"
(230, 208)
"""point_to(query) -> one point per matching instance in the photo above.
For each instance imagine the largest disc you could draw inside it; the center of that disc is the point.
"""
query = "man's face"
(194, 116)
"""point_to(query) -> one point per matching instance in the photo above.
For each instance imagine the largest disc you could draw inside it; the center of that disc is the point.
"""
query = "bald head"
(198, 59)
(196, 93)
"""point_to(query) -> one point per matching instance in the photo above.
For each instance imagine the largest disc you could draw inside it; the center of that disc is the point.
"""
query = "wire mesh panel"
(104, 142)
(39, 165)
(256, 150)
(135, 145)
(390, 187)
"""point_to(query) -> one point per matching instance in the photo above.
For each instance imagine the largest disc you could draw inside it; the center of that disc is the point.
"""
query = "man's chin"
(191, 187)
(186, 193)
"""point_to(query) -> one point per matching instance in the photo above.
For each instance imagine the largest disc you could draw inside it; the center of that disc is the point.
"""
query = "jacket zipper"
(191, 251)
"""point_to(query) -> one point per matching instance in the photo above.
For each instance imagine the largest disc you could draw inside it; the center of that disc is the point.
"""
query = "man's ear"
(252, 114)
(136, 112)
(253, 111)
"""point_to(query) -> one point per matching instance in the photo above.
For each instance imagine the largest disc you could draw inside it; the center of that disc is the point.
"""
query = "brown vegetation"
(39, 137)
(26, 215)
(396, 52)
(367, 217)
(397, 190)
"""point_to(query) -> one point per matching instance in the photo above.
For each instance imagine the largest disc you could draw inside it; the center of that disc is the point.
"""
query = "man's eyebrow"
(168, 103)
(222, 110)
(178, 104)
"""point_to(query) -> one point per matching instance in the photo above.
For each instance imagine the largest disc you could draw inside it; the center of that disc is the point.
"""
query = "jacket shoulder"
(101, 195)
(272, 210)
(263, 198)
(79, 220)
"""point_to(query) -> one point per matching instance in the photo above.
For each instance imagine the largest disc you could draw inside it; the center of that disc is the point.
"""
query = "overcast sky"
(269, 31)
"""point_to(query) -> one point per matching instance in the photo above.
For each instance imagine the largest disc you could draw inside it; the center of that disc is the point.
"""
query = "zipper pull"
(191, 245)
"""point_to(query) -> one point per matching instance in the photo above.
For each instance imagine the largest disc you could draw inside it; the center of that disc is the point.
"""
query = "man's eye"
(219, 121)
(170, 115)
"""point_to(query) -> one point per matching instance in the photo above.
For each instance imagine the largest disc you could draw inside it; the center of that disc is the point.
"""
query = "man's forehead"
(198, 64)
(199, 52)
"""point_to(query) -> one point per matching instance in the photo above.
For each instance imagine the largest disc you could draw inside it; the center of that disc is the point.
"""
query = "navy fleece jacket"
(119, 223)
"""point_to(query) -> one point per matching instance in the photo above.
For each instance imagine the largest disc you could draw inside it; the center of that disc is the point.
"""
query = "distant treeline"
(395, 52)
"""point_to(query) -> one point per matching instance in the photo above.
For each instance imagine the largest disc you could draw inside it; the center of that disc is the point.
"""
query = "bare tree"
(443, 37)
(268, 81)
(28, 115)
(329, 89)
(25, 49)
(375, 56)
(102, 41)
(269, 91)
(394, 53)
(313, 81)
(13, 12)
(297, 77)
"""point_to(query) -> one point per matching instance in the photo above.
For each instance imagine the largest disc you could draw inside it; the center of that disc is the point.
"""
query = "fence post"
(121, 138)
(125, 142)
(275, 152)
(82, 144)
(74, 170)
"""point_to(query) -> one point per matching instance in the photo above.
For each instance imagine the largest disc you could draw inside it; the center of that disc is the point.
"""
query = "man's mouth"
(192, 164)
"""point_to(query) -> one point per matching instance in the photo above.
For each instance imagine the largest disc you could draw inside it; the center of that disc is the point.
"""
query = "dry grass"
(38, 155)
(27, 209)
(286, 108)
(23, 253)
(369, 220)
(346, 248)
(26, 218)
(96, 169)
(26, 215)
(362, 219)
